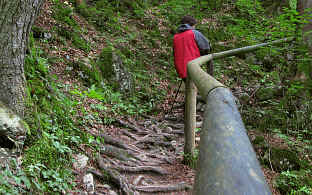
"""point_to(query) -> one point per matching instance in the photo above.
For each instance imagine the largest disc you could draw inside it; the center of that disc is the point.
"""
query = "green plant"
(69, 28)
(295, 182)
(13, 179)
(44, 179)
(191, 160)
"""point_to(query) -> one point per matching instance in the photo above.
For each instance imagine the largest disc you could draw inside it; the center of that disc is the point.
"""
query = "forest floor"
(144, 154)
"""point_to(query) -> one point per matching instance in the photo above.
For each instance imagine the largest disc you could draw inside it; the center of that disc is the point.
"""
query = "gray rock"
(88, 183)
(47, 35)
(12, 130)
(121, 74)
(111, 192)
(168, 130)
(81, 161)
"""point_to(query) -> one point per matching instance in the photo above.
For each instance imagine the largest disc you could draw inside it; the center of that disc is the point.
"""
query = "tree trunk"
(16, 19)
(302, 5)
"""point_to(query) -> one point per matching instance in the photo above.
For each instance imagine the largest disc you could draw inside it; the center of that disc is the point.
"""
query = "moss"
(283, 160)
(25, 126)
(105, 62)
(259, 140)
(88, 71)
(75, 37)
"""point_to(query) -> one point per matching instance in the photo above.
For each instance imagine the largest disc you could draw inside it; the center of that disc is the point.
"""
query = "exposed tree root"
(112, 141)
(141, 169)
(133, 127)
(176, 126)
(154, 142)
(173, 118)
(121, 154)
(137, 180)
(163, 158)
(163, 188)
(127, 133)
(180, 132)
(115, 177)
(128, 159)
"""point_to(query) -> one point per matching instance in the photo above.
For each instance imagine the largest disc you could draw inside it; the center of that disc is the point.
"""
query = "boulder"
(12, 136)
(12, 130)
(114, 69)
(121, 75)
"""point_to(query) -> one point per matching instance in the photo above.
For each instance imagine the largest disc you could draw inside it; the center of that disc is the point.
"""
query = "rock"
(114, 70)
(266, 93)
(12, 130)
(199, 106)
(81, 161)
(106, 186)
(147, 123)
(122, 76)
(88, 183)
(237, 102)
(47, 35)
(111, 192)
(168, 130)
(12, 136)
(199, 124)
(244, 97)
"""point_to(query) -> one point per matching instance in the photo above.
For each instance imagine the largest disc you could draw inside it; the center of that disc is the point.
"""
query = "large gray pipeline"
(227, 162)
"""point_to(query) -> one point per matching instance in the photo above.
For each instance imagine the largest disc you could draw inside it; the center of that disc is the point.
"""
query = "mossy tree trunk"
(302, 6)
(16, 19)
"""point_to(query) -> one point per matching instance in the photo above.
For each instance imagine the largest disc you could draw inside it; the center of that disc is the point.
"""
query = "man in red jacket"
(189, 44)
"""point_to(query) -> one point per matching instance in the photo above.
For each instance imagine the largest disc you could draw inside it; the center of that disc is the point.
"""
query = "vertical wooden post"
(189, 117)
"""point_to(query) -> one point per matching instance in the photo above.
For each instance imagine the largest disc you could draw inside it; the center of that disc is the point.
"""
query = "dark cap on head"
(188, 20)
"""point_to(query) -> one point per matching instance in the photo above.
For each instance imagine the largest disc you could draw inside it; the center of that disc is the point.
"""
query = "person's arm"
(202, 43)
(204, 48)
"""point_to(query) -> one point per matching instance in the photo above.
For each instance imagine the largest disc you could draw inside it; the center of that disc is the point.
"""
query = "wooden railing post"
(189, 118)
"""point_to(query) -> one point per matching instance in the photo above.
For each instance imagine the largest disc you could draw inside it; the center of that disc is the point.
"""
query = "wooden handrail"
(227, 163)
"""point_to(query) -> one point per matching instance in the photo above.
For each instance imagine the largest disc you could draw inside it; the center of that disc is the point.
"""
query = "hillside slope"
(77, 111)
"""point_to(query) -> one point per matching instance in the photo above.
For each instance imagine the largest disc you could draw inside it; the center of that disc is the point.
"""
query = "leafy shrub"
(295, 182)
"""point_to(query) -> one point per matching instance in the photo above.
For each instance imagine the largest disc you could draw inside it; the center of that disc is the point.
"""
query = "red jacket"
(186, 45)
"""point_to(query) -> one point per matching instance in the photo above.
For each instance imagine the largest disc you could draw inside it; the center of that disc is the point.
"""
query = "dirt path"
(144, 157)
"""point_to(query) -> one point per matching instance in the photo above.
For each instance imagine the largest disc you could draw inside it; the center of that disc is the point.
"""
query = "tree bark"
(16, 19)
(302, 5)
